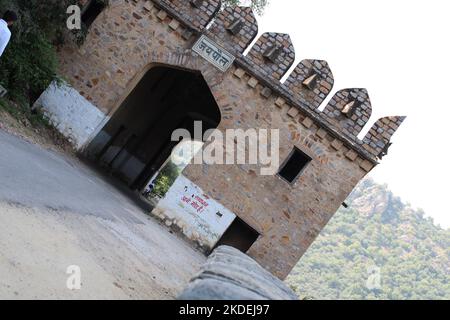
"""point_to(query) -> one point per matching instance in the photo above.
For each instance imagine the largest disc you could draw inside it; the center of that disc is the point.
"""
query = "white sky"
(400, 51)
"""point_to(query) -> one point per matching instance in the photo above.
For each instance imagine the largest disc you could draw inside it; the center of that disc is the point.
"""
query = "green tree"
(30, 63)
(166, 179)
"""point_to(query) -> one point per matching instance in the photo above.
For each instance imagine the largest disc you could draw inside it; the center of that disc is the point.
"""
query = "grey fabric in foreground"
(231, 275)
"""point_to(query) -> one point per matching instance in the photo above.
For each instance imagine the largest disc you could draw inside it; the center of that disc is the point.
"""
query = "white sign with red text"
(201, 218)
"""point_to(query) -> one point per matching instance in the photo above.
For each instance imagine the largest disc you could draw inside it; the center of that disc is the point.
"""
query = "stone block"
(253, 82)
(239, 73)
(174, 24)
(307, 122)
(148, 5)
(77, 117)
(337, 144)
(366, 165)
(162, 15)
(266, 92)
(351, 155)
(321, 133)
(280, 102)
(187, 34)
(293, 112)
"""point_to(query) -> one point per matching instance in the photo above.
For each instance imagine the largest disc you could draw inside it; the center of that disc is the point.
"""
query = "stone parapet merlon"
(269, 59)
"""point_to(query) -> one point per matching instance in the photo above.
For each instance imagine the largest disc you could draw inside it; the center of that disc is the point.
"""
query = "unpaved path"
(55, 212)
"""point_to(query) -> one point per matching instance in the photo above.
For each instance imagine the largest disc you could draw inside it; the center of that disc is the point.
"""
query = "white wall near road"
(72, 114)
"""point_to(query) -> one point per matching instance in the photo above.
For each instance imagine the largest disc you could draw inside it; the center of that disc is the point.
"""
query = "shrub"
(30, 63)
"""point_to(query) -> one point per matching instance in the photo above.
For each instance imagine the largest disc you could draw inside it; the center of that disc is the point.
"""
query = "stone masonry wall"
(131, 36)
(288, 217)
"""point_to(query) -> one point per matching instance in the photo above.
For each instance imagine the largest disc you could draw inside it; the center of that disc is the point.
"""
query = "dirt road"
(55, 212)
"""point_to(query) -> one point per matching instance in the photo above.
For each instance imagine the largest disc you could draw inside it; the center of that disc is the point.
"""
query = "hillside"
(407, 256)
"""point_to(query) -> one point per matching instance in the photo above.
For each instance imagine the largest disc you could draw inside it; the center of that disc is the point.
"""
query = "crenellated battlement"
(377, 140)
(268, 61)
(349, 110)
(311, 82)
(234, 28)
(272, 55)
(195, 14)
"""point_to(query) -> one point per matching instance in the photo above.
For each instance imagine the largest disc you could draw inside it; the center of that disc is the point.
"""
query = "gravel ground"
(56, 212)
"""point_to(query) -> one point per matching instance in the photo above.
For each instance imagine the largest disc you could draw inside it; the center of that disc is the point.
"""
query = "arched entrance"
(136, 142)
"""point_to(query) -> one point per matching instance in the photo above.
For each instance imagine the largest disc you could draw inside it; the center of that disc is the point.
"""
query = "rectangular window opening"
(294, 165)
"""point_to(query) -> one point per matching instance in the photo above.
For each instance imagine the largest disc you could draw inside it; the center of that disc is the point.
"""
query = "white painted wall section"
(71, 113)
(201, 218)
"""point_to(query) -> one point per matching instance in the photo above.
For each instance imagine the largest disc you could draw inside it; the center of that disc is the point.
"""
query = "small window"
(294, 165)
(91, 11)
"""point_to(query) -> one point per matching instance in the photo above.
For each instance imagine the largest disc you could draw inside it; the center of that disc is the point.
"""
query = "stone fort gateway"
(148, 68)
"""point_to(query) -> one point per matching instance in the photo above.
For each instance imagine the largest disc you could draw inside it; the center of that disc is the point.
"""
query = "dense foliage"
(166, 179)
(29, 63)
(377, 231)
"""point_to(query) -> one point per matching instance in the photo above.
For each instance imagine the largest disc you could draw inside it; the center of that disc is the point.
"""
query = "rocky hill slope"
(378, 248)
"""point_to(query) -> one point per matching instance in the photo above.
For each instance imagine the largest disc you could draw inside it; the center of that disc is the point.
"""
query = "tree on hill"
(377, 238)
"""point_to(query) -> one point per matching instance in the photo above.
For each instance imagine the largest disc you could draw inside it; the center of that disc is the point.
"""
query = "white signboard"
(210, 51)
(201, 218)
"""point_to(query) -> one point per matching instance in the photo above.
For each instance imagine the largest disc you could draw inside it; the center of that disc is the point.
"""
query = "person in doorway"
(5, 34)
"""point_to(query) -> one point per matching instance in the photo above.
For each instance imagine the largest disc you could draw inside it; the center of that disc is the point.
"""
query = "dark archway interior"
(239, 235)
(91, 11)
(136, 142)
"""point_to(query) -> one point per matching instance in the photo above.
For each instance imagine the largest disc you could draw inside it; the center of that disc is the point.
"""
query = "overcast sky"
(400, 51)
